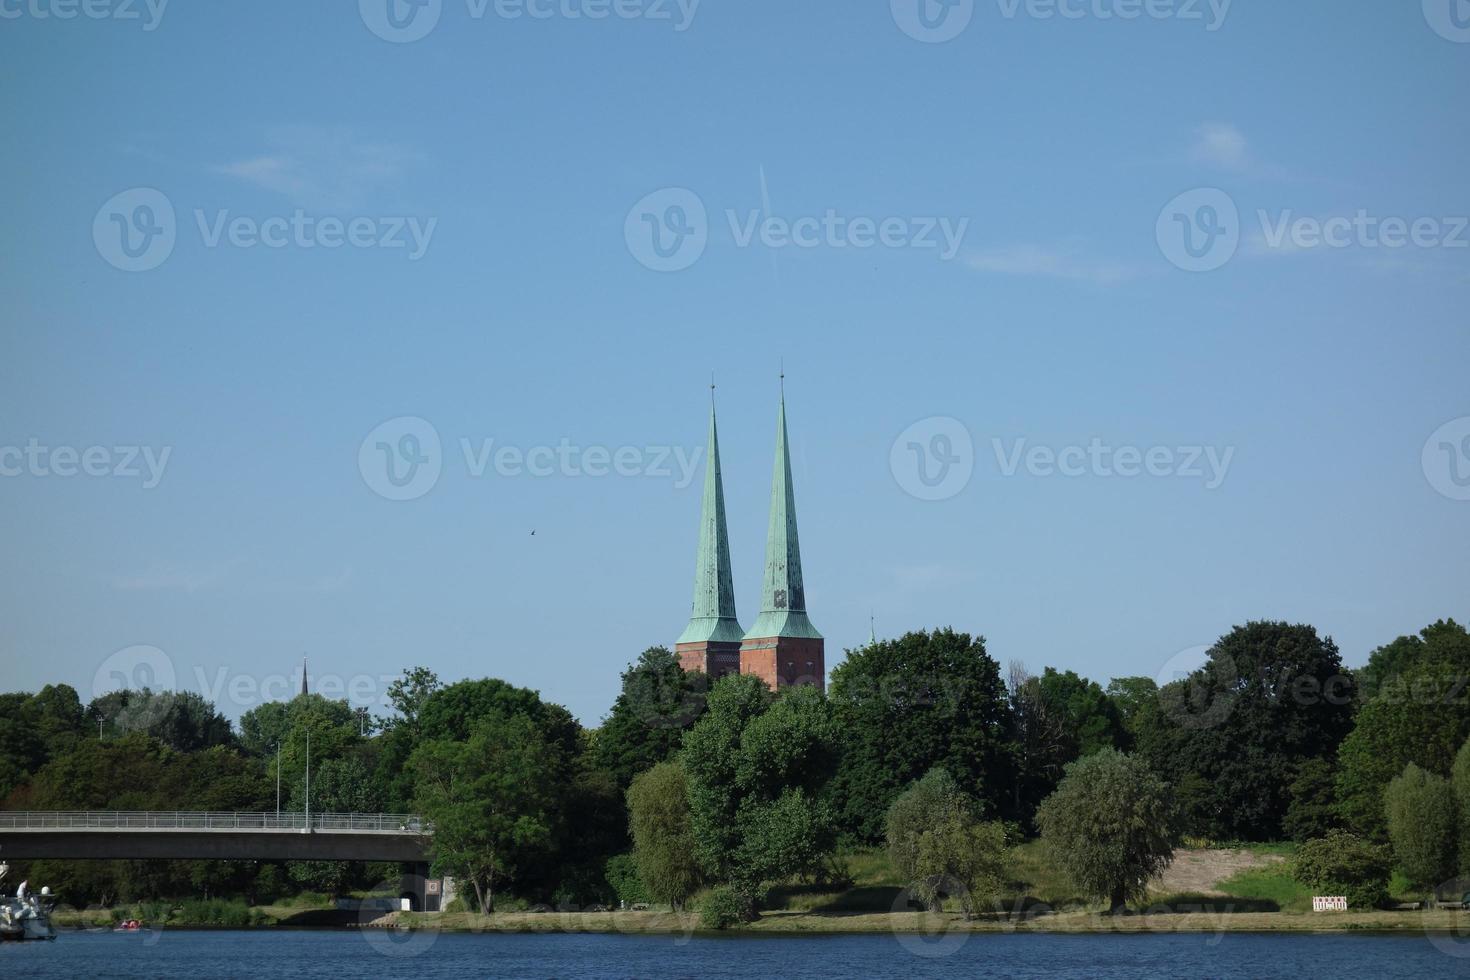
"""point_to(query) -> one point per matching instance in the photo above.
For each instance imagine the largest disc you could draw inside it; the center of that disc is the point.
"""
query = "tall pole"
(308, 781)
(278, 782)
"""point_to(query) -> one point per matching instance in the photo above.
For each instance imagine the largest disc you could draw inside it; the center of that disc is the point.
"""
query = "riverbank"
(1180, 920)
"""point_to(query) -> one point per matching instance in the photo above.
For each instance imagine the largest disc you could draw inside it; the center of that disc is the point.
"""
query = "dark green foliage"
(1420, 809)
(1271, 697)
(622, 875)
(35, 728)
(1312, 811)
(184, 721)
(1343, 863)
(757, 769)
(657, 704)
(1417, 710)
(1111, 825)
(1059, 717)
(1133, 698)
(489, 800)
(721, 908)
(907, 705)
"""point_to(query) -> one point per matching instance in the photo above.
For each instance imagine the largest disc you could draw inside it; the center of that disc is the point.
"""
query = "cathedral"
(783, 648)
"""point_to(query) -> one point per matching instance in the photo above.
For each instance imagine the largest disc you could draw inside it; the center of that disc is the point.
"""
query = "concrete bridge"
(184, 835)
(190, 835)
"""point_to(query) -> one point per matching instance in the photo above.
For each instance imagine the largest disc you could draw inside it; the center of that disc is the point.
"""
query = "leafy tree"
(964, 851)
(1270, 697)
(939, 846)
(408, 695)
(756, 771)
(1133, 698)
(1059, 717)
(913, 812)
(1111, 825)
(663, 843)
(488, 799)
(181, 720)
(1460, 785)
(1421, 824)
(657, 704)
(1343, 863)
(622, 874)
(907, 705)
(1417, 711)
(1312, 811)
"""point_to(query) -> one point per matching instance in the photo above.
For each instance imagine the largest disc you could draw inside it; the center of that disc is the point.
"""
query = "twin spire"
(783, 596)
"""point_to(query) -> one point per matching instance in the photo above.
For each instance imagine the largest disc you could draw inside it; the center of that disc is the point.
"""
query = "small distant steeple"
(303, 675)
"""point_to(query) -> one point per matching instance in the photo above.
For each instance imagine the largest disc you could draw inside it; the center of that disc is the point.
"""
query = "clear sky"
(534, 157)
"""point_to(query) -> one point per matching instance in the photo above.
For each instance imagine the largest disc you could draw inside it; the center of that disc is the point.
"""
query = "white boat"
(25, 915)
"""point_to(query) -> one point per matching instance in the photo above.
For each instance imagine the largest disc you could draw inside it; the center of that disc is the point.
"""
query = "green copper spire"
(783, 599)
(713, 619)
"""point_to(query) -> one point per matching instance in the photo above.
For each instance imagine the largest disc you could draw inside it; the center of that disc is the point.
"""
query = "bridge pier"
(415, 886)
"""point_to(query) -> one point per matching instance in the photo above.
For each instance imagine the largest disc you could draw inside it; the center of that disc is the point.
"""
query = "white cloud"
(1051, 263)
(1221, 145)
(323, 167)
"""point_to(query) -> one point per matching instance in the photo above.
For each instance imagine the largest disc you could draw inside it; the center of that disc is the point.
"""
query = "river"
(293, 953)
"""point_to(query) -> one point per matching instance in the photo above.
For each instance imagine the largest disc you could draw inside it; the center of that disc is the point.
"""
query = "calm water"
(203, 955)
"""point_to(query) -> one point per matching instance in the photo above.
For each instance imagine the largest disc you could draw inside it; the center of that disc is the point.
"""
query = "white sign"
(1334, 903)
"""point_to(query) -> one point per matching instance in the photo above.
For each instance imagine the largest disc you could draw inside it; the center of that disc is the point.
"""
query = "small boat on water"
(24, 915)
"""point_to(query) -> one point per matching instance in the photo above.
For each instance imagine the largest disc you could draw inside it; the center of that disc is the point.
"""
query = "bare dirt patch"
(1201, 871)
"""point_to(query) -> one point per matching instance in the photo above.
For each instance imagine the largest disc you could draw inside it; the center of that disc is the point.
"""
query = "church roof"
(713, 617)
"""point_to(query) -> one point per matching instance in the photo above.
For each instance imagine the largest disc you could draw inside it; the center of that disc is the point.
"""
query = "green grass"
(1272, 884)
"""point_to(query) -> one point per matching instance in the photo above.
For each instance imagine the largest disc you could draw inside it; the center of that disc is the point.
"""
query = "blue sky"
(529, 152)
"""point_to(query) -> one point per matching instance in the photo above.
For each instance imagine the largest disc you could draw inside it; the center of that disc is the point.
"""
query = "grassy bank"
(1207, 891)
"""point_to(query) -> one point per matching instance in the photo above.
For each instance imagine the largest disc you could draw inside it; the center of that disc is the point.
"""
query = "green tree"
(938, 845)
(181, 720)
(913, 812)
(1059, 717)
(1312, 811)
(1133, 697)
(1460, 785)
(1416, 711)
(757, 768)
(408, 695)
(663, 843)
(1270, 697)
(1420, 808)
(907, 705)
(488, 799)
(657, 704)
(1343, 863)
(1111, 825)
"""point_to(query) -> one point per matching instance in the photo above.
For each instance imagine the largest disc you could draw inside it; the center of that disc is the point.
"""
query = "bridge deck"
(194, 821)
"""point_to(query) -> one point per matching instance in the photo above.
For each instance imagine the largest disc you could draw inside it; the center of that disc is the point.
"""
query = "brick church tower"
(783, 648)
(711, 641)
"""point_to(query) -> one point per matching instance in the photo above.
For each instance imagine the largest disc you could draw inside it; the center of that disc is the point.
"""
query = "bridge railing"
(383, 823)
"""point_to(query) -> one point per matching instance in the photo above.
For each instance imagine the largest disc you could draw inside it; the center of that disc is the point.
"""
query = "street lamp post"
(278, 782)
(308, 782)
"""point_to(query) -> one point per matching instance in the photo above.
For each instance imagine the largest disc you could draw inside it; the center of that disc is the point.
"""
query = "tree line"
(922, 744)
